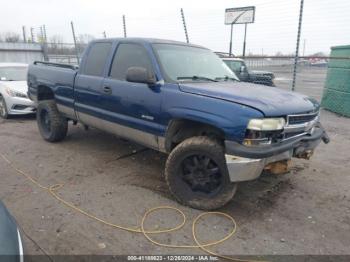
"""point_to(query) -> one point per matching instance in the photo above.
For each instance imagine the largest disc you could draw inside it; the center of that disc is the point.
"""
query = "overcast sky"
(326, 23)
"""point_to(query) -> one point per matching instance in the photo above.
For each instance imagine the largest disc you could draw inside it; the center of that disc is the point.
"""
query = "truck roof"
(147, 40)
(232, 59)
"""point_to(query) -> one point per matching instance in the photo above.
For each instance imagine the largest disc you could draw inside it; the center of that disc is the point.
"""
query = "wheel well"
(181, 129)
(45, 93)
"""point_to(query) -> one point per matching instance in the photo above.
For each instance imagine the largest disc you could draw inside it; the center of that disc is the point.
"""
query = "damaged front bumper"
(247, 162)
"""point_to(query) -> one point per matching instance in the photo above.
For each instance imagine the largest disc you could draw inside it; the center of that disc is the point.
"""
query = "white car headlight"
(14, 93)
(266, 124)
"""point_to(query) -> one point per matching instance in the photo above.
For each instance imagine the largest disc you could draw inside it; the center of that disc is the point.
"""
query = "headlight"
(14, 93)
(266, 124)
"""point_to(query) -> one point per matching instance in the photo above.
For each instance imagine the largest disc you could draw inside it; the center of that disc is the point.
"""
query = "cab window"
(129, 55)
(96, 59)
(234, 65)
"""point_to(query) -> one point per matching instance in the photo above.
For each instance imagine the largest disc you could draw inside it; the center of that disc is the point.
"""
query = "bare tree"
(319, 54)
(56, 39)
(10, 37)
(56, 46)
(85, 38)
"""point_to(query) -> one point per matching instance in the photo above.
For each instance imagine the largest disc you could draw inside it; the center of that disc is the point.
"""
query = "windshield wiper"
(226, 78)
(197, 78)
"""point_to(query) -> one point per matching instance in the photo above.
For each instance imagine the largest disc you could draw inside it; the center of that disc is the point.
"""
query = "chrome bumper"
(245, 169)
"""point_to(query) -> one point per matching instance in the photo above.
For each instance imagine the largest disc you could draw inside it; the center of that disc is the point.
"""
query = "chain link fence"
(66, 53)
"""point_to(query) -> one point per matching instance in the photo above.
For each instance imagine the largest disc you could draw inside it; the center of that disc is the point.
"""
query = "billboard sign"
(240, 15)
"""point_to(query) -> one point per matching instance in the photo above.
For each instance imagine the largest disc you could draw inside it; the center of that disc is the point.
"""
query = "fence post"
(124, 25)
(24, 34)
(44, 44)
(75, 42)
(296, 58)
(32, 34)
(45, 35)
(184, 23)
(41, 34)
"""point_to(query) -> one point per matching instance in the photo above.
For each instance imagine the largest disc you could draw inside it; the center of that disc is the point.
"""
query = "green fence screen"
(336, 94)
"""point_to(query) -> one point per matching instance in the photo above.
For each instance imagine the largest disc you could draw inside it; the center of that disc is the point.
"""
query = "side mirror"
(138, 74)
(242, 69)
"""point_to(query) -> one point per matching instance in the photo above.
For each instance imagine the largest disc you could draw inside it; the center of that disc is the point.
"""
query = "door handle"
(107, 90)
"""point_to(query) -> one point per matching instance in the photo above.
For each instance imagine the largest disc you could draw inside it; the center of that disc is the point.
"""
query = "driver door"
(132, 109)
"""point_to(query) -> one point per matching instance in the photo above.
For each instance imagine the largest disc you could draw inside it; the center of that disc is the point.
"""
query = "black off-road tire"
(182, 191)
(52, 125)
(3, 113)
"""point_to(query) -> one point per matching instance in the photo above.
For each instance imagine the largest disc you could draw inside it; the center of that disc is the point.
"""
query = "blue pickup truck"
(180, 99)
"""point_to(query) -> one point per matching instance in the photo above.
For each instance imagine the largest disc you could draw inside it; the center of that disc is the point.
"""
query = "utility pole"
(124, 25)
(32, 34)
(245, 38)
(24, 34)
(75, 42)
(184, 24)
(296, 58)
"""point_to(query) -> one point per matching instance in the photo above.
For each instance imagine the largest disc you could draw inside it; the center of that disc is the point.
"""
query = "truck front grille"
(298, 125)
(301, 119)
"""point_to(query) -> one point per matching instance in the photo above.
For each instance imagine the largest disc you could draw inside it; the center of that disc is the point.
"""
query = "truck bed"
(59, 77)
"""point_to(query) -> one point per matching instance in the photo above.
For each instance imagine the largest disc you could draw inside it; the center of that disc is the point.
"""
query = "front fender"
(233, 129)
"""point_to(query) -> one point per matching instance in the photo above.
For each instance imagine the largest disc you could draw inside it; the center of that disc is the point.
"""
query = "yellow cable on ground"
(52, 191)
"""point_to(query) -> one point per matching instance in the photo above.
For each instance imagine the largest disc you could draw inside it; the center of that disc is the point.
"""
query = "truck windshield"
(13, 73)
(187, 63)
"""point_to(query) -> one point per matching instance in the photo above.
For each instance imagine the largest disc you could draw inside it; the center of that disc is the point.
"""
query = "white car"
(13, 90)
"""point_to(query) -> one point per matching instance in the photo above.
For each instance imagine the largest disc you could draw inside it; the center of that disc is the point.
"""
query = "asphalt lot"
(310, 80)
(305, 212)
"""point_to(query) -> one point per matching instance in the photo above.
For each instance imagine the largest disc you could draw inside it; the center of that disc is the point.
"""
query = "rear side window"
(234, 65)
(129, 55)
(96, 59)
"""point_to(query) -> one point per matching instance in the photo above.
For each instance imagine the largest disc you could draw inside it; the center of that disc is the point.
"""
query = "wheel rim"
(202, 174)
(2, 107)
(45, 121)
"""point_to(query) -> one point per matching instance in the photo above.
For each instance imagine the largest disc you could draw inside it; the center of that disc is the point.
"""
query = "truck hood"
(271, 101)
(18, 86)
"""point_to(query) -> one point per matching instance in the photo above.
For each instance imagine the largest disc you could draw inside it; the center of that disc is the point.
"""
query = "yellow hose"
(54, 188)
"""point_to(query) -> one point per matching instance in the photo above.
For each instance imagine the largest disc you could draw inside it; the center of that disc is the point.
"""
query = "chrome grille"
(301, 119)
(298, 125)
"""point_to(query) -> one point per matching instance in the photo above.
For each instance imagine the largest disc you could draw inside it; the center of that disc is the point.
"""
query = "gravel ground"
(306, 211)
